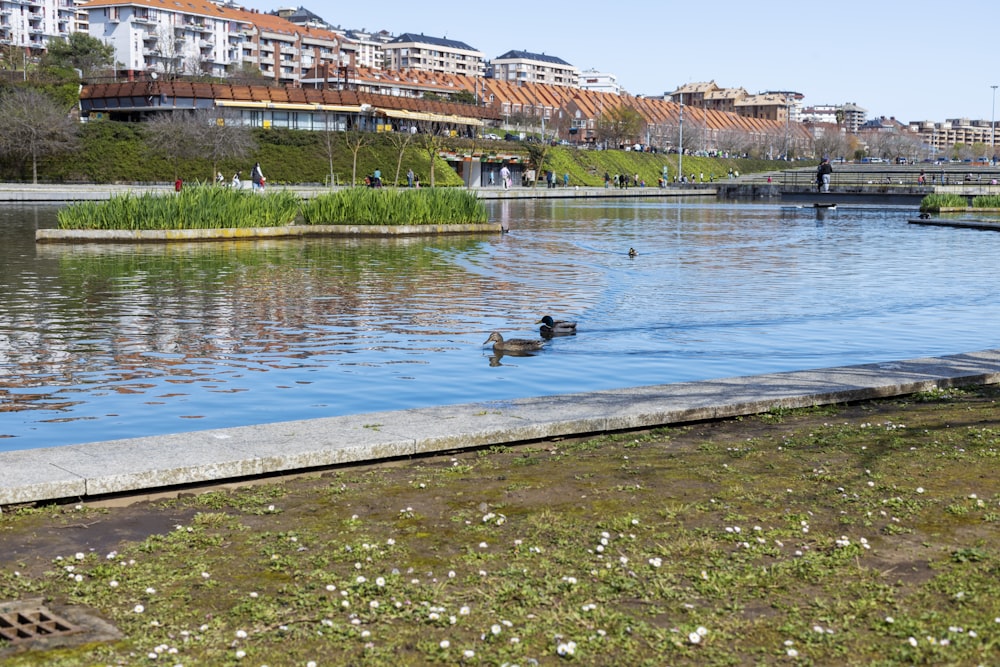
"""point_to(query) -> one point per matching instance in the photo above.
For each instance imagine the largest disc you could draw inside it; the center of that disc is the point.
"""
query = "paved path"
(61, 193)
(145, 465)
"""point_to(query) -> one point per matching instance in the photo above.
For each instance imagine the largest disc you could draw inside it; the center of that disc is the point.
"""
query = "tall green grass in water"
(195, 207)
(986, 201)
(377, 206)
(936, 202)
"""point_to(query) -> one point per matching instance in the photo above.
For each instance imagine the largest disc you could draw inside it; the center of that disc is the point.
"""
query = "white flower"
(701, 630)
(241, 654)
(567, 648)
(913, 641)
(920, 489)
(792, 653)
(496, 629)
(113, 584)
(445, 643)
(241, 634)
(694, 638)
(464, 611)
(468, 653)
(80, 555)
(380, 582)
(138, 609)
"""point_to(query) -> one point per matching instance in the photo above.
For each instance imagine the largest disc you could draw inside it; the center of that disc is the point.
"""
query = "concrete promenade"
(63, 193)
(143, 466)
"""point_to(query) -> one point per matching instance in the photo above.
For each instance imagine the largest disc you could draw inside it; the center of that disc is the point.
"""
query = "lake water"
(101, 342)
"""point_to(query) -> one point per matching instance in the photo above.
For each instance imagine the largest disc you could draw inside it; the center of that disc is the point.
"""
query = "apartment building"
(433, 54)
(599, 82)
(942, 136)
(527, 67)
(30, 24)
(202, 37)
(366, 49)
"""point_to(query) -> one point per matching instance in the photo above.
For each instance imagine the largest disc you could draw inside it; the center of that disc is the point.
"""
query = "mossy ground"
(850, 535)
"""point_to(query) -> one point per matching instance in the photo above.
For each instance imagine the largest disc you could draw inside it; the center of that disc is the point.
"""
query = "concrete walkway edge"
(150, 464)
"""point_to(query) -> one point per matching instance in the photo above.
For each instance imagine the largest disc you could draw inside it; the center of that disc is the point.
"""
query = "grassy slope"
(114, 152)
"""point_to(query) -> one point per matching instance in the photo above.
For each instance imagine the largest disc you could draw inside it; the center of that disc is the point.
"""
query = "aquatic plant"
(986, 201)
(195, 207)
(379, 206)
(935, 202)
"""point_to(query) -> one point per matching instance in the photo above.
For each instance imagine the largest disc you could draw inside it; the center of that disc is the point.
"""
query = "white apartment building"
(201, 37)
(599, 82)
(30, 24)
(852, 116)
(433, 54)
(526, 67)
(367, 49)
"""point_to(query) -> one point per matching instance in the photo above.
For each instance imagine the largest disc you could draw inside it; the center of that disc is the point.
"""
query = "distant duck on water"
(514, 344)
(551, 327)
(632, 252)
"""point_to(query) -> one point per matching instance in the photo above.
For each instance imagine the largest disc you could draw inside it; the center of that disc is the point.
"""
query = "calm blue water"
(113, 341)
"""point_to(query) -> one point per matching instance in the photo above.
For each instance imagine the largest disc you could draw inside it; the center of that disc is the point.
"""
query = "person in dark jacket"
(823, 175)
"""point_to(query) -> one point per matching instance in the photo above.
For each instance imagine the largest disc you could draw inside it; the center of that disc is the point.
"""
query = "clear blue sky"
(911, 60)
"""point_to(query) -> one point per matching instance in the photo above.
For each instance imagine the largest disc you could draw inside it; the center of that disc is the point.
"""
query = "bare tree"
(355, 140)
(225, 137)
(399, 140)
(35, 126)
(329, 140)
(432, 143)
(213, 134)
(174, 136)
(169, 50)
(620, 124)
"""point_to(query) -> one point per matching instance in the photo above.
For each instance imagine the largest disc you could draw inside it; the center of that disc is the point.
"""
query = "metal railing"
(894, 177)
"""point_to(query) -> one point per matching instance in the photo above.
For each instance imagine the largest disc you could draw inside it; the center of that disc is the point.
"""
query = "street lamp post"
(993, 126)
(680, 142)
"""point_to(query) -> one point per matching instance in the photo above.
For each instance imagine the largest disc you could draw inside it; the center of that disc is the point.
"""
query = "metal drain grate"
(28, 624)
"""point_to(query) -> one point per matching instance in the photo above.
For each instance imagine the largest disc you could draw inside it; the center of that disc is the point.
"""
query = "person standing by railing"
(823, 173)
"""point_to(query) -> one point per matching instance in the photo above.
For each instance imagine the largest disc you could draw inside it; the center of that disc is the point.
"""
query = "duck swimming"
(632, 252)
(514, 344)
(552, 327)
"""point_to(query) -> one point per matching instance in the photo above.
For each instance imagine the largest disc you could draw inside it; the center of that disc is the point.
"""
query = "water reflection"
(107, 341)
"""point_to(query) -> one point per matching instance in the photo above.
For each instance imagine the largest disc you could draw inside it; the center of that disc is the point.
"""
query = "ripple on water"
(108, 342)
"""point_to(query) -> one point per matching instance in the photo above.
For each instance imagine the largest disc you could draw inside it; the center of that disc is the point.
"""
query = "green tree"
(79, 51)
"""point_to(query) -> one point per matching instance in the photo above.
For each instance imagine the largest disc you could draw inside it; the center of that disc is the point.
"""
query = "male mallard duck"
(514, 344)
(552, 327)
(632, 252)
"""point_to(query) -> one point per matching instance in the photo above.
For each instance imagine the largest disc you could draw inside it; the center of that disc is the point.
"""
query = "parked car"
(491, 137)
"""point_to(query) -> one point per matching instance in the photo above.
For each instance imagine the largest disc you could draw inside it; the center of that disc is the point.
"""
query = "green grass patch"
(861, 534)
